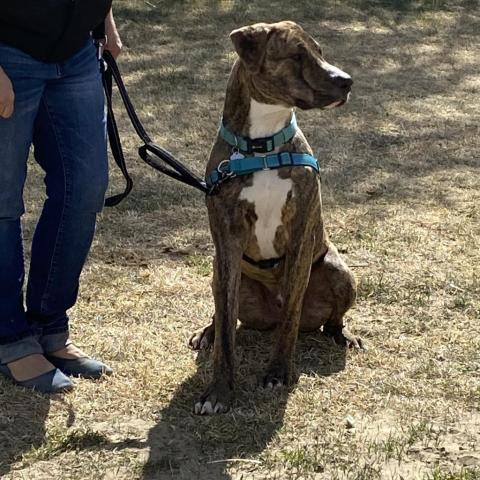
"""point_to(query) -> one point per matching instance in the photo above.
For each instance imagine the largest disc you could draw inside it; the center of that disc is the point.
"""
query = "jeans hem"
(55, 341)
(19, 349)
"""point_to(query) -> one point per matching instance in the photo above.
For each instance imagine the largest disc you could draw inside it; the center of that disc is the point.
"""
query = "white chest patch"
(269, 194)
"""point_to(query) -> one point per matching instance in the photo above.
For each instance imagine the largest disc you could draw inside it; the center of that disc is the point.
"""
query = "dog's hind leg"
(331, 292)
(203, 338)
(260, 307)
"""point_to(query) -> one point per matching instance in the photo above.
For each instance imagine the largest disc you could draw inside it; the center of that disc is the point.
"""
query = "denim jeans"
(59, 108)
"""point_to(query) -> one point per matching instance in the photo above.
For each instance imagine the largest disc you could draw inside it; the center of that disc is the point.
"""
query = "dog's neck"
(266, 120)
(248, 116)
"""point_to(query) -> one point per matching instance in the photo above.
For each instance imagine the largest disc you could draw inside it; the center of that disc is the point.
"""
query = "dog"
(274, 265)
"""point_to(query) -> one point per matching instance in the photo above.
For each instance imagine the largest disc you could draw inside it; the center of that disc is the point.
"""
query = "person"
(51, 96)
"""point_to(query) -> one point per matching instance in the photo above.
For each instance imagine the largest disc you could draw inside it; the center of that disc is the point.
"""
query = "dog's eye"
(297, 57)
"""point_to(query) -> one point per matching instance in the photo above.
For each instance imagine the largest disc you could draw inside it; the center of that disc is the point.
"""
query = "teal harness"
(239, 164)
(260, 145)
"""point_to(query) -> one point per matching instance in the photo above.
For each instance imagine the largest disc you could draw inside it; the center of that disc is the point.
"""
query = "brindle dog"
(273, 213)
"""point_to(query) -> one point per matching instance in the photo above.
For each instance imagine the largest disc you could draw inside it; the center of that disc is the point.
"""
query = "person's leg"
(70, 145)
(20, 352)
(16, 336)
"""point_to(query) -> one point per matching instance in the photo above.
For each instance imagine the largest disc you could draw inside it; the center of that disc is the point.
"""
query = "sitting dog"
(274, 265)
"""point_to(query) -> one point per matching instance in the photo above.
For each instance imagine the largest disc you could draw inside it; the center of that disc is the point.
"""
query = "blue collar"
(260, 145)
(239, 165)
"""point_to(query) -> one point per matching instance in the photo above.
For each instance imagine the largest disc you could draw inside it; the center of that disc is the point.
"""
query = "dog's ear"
(250, 43)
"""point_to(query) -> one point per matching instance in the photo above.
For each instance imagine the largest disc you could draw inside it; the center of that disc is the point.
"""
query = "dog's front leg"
(297, 273)
(226, 285)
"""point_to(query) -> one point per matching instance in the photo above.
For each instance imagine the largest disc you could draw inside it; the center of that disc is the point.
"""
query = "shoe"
(53, 381)
(84, 367)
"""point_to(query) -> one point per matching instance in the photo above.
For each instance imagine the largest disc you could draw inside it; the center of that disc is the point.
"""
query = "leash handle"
(114, 72)
(115, 143)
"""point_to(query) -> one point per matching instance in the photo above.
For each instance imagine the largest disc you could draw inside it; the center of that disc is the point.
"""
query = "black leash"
(152, 154)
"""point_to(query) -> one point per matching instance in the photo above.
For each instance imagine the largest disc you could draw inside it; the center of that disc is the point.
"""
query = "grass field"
(401, 189)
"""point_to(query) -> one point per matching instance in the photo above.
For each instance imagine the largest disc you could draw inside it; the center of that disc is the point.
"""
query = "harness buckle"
(260, 145)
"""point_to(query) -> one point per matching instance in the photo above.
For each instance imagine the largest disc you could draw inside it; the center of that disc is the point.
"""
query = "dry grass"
(401, 191)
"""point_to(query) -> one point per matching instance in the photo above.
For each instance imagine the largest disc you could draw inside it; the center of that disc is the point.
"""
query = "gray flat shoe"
(53, 381)
(80, 367)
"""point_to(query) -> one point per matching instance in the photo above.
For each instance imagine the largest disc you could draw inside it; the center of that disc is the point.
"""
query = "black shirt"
(50, 30)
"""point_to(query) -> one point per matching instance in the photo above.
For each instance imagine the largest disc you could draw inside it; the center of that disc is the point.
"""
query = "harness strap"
(264, 264)
(260, 145)
(243, 166)
(270, 263)
(173, 167)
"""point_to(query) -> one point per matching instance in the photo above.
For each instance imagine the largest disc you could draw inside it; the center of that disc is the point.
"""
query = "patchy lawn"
(401, 195)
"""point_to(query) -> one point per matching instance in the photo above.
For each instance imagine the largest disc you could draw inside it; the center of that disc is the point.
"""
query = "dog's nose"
(345, 81)
(339, 78)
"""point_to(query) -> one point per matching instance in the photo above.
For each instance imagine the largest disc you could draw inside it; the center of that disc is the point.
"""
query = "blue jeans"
(59, 108)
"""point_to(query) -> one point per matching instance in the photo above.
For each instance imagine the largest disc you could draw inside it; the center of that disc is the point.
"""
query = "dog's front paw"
(202, 339)
(279, 374)
(216, 399)
(342, 337)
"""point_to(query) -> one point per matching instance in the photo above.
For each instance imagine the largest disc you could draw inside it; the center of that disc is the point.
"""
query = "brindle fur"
(278, 64)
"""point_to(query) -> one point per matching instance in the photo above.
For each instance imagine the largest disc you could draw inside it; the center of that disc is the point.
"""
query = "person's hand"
(7, 97)
(114, 42)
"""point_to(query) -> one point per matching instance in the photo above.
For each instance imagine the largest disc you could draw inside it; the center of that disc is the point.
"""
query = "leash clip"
(224, 174)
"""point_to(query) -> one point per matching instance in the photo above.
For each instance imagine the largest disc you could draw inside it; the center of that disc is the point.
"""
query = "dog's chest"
(269, 195)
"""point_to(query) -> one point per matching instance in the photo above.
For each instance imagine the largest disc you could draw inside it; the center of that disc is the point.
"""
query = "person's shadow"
(22, 423)
(186, 446)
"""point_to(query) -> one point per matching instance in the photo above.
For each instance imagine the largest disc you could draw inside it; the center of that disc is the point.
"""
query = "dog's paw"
(279, 374)
(202, 339)
(342, 337)
(216, 399)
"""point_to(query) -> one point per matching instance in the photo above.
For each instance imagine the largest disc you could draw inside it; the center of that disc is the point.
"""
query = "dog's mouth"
(338, 103)
(323, 103)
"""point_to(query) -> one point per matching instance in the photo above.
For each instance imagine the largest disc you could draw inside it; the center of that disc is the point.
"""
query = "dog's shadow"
(186, 446)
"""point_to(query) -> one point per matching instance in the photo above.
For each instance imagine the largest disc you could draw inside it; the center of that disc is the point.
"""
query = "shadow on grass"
(22, 423)
(185, 446)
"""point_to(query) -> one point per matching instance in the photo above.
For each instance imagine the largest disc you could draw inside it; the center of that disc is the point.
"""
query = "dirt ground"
(401, 190)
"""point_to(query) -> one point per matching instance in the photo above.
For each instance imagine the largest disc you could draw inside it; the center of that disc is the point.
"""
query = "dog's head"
(286, 66)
